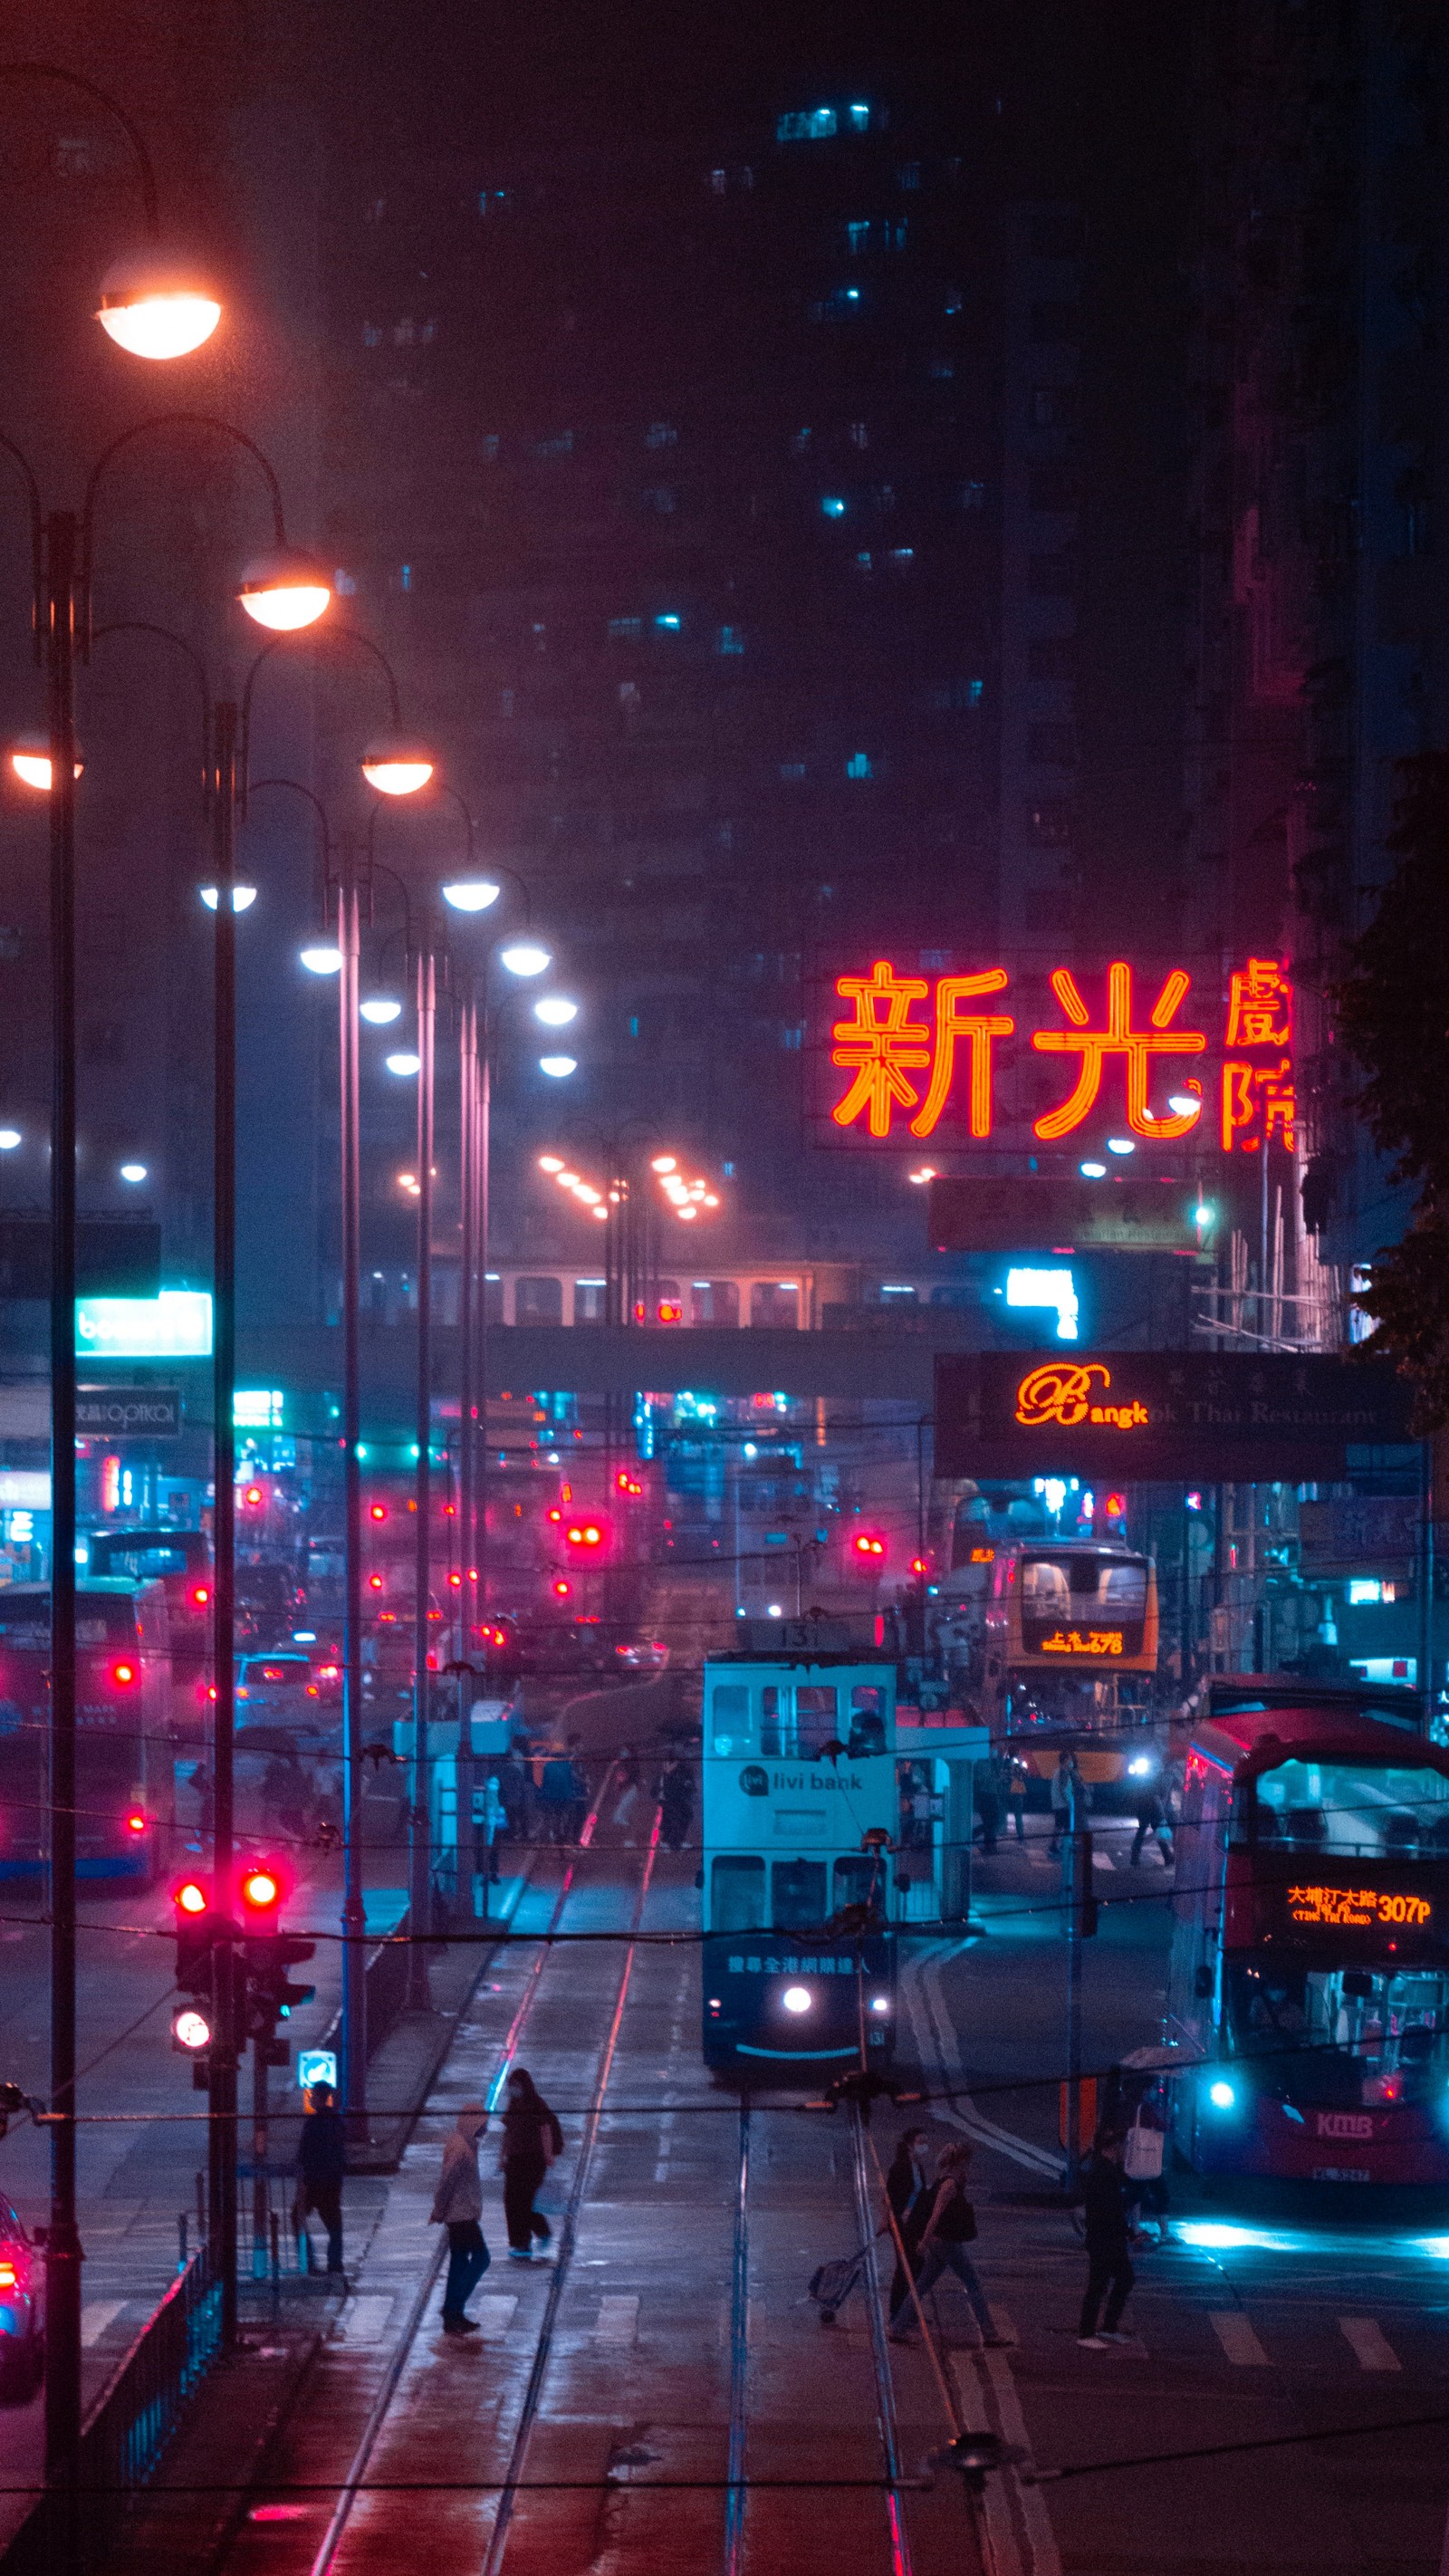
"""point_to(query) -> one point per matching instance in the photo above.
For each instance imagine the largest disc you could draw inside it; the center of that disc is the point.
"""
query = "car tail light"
(312, 1691)
(123, 1675)
(9, 2269)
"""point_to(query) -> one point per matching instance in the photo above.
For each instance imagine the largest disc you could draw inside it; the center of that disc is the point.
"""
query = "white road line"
(366, 2320)
(1004, 2323)
(495, 2316)
(96, 2315)
(936, 2037)
(1371, 2345)
(618, 2321)
(1237, 2338)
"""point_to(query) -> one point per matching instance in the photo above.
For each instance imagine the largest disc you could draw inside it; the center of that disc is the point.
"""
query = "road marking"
(367, 2320)
(935, 2035)
(97, 2315)
(1370, 2343)
(1237, 2338)
(1004, 2323)
(618, 2321)
(495, 2316)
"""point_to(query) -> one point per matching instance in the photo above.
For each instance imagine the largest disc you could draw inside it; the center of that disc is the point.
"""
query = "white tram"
(831, 1820)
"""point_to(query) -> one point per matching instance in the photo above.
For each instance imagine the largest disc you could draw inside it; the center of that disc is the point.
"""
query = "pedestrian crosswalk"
(1369, 2343)
(96, 2315)
(1238, 2339)
(1242, 2345)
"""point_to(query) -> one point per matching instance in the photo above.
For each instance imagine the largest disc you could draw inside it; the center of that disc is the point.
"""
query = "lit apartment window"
(806, 125)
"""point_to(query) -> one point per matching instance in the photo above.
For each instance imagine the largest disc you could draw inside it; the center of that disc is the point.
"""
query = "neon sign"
(918, 1045)
(1097, 1641)
(1358, 1909)
(1061, 1393)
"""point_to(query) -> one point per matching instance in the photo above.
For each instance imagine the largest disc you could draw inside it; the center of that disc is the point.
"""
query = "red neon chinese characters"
(977, 1028)
(1260, 1005)
(1135, 1046)
(880, 1043)
(883, 1045)
(1259, 1104)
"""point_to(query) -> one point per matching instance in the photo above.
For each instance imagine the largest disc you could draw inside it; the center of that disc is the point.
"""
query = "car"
(280, 1695)
(22, 2308)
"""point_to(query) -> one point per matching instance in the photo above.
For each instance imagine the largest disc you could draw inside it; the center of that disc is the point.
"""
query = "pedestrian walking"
(514, 1787)
(992, 1778)
(321, 2168)
(1066, 1792)
(676, 1802)
(1151, 1819)
(1016, 1798)
(458, 2206)
(556, 1797)
(950, 2226)
(531, 2140)
(630, 1798)
(1144, 2156)
(907, 2199)
(1106, 2199)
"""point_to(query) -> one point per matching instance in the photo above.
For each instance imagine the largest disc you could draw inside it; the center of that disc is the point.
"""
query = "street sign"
(1179, 1416)
(1042, 1214)
(316, 2066)
(128, 1413)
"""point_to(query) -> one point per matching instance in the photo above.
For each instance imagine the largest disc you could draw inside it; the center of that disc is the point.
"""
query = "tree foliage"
(1391, 1008)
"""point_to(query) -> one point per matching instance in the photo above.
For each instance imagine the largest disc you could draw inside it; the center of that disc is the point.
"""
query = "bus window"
(1123, 1590)
(730, 1710)
(1342, 2038)
(920, 1805)
(1045, 1591)
(867, 1719)
(815, 1717)
(738, 1895)
(775, 1720)
(799, 1895)
(1370, 1810)
(860, 1880)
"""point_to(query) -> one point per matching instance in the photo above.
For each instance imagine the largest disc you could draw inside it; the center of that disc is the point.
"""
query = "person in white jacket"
(458, 2206)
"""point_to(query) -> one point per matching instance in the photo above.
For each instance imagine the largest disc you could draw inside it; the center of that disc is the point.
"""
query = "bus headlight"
(880, 2003)
(1222, 2095)
(796, 1999)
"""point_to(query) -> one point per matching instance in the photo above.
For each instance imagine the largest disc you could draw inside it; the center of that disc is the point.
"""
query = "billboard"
(922, 1048)
(1043, 1212)
(1182, 1416)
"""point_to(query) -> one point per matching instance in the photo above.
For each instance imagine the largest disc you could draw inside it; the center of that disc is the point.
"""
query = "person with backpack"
(531, 2140)
(950, 2226)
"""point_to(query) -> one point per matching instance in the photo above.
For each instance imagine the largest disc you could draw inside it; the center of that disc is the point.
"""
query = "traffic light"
(587, 1533)
(195, 1933)
(268, 1953)
(869, 1549)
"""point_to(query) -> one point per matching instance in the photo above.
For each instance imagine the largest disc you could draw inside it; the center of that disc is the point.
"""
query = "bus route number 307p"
(1358, 1909)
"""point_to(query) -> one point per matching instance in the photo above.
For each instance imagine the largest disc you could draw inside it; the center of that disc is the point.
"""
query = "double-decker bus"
(827, 1825)
(180, 1561)
(1310, 1962)
(122, 1728)
(1054, 1644)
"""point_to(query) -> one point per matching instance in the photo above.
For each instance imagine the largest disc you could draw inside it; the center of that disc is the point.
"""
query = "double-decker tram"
(827, 1824)
(123, 1750)
(1310, 1964)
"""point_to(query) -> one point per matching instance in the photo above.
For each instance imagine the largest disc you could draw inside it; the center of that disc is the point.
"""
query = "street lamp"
(396, 766)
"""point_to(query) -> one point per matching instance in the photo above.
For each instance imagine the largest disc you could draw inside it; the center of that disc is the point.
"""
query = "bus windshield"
(1061, 1587)
(1341, 2038)
(1369, 1810)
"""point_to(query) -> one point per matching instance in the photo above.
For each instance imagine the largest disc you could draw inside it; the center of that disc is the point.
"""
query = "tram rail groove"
(739, 2355)
(347, 2494)
(885, 2394)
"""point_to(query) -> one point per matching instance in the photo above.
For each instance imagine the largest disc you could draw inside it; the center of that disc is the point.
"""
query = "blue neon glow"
(1222, 2095)
(1054, 1288)
(833, 507)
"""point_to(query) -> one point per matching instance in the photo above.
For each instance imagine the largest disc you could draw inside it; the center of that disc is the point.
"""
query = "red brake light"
(8, 2273)
(312, 1691)
(123, 1675)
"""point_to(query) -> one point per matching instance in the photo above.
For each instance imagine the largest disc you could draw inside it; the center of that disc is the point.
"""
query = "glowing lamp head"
(10, 1137)
(1222, 2095)
(191, 1899)
(30, 760)
(320, 959)
(154, 304)
(134, 1173)
(526, 957)
(137, 1821)
(242, 897)
(123, 1674)
(663, 1163)
(397, 766)
(796, 1999)
(550, 1163)
(284, 590)
(403, 1063)
(380, 1012)
(558, 1067)
(471, 894)
(555, 1010)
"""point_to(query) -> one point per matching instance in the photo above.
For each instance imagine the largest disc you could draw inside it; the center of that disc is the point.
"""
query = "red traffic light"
(137, 1820)
(200, 1595)
(563, 1591)
(866, 1545)
(919, 1565)
(261, 1889)
(374, 1583)
(585, 1533)
(1115, 1507)
(254, 1497)
(191, 1897)
(190, 2029)
(123, 1675)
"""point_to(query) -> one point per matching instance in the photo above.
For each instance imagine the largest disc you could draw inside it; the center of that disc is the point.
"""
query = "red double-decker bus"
(1310, 1962)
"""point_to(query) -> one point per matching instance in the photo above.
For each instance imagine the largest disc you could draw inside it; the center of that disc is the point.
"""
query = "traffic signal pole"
(420, 1802)
(222, 2102)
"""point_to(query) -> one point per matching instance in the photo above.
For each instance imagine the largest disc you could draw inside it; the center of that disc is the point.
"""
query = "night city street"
(724, 1289)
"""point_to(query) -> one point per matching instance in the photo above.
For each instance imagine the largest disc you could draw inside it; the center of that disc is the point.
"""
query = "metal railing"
(127, 2430)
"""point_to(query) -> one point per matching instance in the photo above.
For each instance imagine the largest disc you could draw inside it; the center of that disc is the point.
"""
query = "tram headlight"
(797, 1999)
(1222, 2095)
